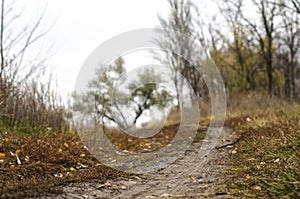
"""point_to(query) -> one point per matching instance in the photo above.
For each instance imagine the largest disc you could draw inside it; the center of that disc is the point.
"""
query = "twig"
(229, 144)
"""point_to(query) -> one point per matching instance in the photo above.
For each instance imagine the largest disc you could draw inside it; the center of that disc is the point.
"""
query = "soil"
(187, 177)
(59, 166)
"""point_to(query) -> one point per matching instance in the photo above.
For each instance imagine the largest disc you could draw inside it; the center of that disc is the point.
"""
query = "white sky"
(81, 26)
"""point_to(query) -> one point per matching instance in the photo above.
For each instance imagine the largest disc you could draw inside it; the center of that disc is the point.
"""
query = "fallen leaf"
(66, 145)
(136, 177)
(257, 188)
(58, 175)
(234, 151)
(123, 187)
(72, 169)
(2, 155)
(108, 184)
(26, 158)
(119, 144)
(100, 186)
(193, 179)
(247, 176)
(150, 197)
(204, 186)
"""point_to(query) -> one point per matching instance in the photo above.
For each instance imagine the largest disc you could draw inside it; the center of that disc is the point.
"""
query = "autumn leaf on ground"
(257, 188)
(234, 151)
(247, 176)
(2, 155)
(193, 179)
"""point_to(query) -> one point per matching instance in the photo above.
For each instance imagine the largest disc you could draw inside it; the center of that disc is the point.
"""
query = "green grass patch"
(266, 164)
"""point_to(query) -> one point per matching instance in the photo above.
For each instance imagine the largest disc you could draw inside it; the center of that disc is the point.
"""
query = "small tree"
(179, 41)
(147, 93)
(113, 105)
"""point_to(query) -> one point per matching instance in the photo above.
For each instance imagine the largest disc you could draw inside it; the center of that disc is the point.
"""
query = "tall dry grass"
(237, 105)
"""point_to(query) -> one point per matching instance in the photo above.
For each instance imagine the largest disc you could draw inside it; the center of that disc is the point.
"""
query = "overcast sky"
(81, 26)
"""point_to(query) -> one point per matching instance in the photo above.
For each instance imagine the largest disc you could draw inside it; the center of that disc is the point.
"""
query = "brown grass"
(46, 162)
(266, 164)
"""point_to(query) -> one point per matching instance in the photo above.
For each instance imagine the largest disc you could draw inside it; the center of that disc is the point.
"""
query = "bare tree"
(264, 30)
(296, 5)
(178, 41)
(239, 45)
(288, 54)
(292, 5)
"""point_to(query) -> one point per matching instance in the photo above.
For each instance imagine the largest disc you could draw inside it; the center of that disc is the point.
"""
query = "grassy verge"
(266, 159)
(35, 165)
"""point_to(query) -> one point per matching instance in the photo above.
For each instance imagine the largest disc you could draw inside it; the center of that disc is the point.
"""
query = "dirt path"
(188, 177)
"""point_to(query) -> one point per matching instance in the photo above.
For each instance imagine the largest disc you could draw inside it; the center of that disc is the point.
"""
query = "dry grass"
(46, 162)
(253, 100)
(266, 164)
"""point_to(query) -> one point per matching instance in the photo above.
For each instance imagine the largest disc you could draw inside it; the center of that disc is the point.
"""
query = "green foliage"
(108, 101)
(146, 92)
